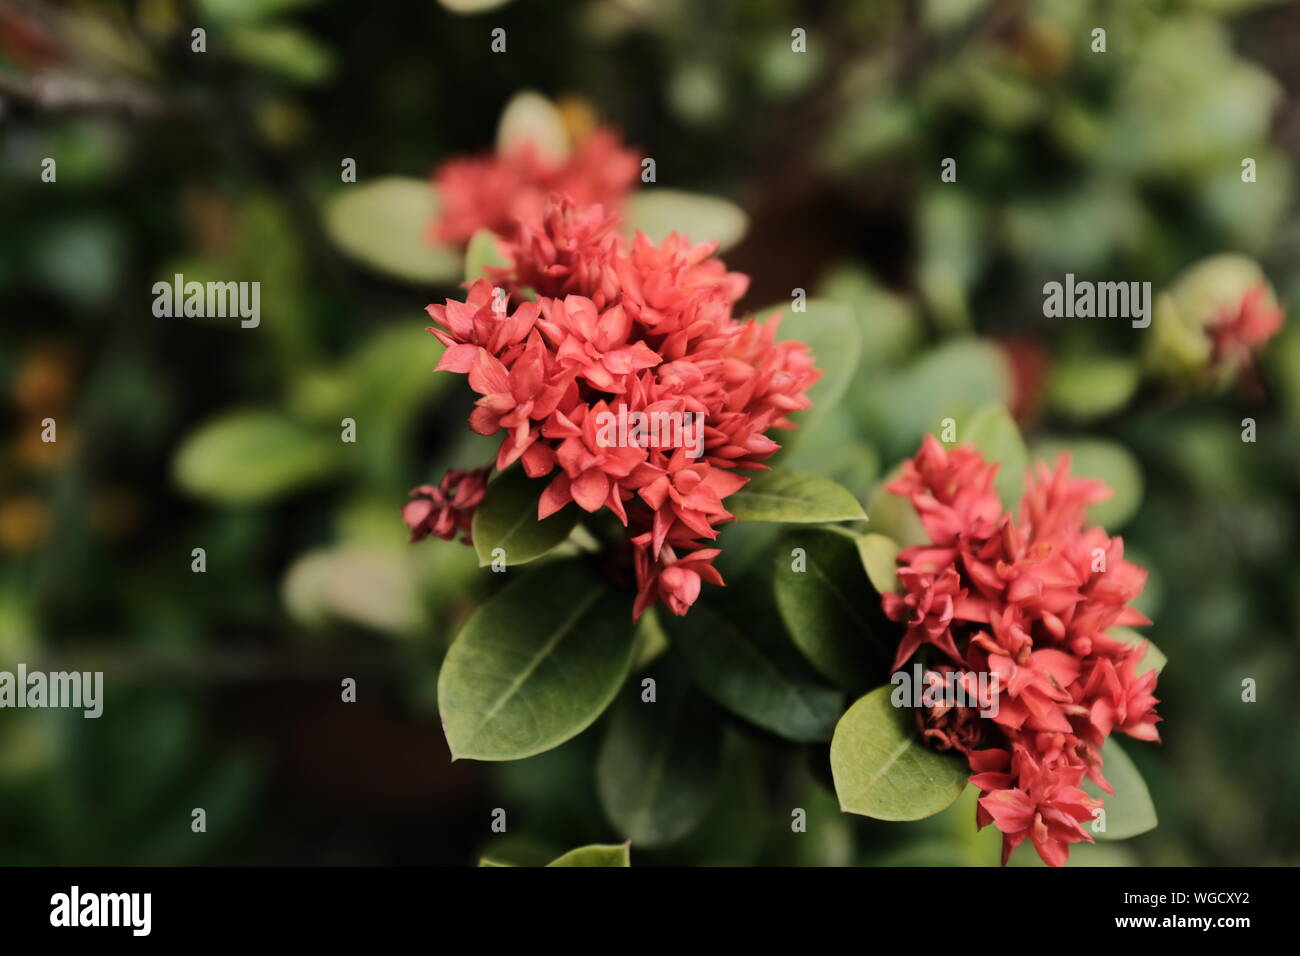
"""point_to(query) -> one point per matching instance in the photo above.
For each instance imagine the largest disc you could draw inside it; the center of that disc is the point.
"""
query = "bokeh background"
(222, 688)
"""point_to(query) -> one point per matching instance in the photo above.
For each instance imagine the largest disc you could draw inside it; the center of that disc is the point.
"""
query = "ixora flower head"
(1027, 600)
(628, 382)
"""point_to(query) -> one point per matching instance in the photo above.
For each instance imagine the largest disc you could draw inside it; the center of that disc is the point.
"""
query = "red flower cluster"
(1028, 602)
(444, 510)
(502, 189)
(622, 329)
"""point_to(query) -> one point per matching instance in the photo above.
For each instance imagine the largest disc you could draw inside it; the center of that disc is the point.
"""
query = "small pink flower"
(449, 508)
(675, 581)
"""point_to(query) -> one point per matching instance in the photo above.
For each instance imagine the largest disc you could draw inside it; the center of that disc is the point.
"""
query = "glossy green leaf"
(657, 212)
(831, 331)
(889, 325)
(894, 515)
(950, 381)
(483, 250)
(658, 767)
(1130, 811)
(251, 456)
(825, 600)
(879, 556)
(834, 449)
(883, 770)
(597, 854)
(384, 224)
(1153, 659)
(536, 664)
(995, 434)
(507, 519)
(651, 638)
(794, 496)
(751, 673)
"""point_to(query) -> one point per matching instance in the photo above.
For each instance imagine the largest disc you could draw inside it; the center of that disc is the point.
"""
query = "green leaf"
(794, 496)
(250, 11)
(1090, 386)
(483, 250)
(507, 519)
(597, 854)
(831, 331)
(651, 638)
(1108, 854)
(384, 224)
(996, 436)
(894, 515)
(888, 322)
(950, 381)
(1154, 659)
(535, 665)
(252, 456)
(751, 673)
(658, 767)
(293, 54)
(879, 556)
(825, 600)
(1108, 461)
(952, 244)
(531, 118)
(371, 586)
(517, 850)
(657, 212)
(1130, 811)
(881, 767)
(834, 449)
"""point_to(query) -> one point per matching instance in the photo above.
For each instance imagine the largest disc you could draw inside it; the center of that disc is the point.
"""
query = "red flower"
(506, 190)
(1240, 331)
(1029, 603)
(625, 329)
(675, 582)
(448, 508)
(1046, 806)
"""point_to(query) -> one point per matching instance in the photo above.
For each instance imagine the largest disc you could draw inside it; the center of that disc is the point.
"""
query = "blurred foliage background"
(223, 687)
